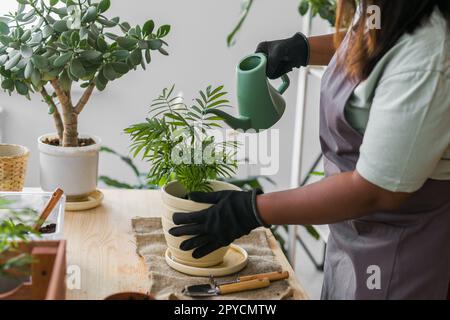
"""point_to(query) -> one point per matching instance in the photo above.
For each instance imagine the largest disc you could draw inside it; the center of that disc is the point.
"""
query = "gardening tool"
(209, 290)
(240, 284)
(260, 104)
(272, 276)
(56, 196)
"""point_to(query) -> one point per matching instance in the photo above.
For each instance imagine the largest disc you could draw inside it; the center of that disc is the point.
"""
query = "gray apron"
(401, 254)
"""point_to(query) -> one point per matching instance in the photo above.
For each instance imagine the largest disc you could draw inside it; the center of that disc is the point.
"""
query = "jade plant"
(47, 46)
(326, 9)
(14, 229)
(177, 141)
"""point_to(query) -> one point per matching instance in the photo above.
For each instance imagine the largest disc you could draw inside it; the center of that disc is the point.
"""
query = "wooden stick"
(244, 286)
(48, 208)
(272, 276)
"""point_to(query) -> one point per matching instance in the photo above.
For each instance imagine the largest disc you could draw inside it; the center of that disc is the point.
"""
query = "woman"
(385, 134)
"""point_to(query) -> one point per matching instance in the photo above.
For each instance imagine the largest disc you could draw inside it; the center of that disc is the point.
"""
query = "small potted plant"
(47, 46)
(13, 270)
(29, 269)
(185, 156)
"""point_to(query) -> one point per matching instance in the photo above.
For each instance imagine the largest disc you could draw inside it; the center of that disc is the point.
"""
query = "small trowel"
(245, 283)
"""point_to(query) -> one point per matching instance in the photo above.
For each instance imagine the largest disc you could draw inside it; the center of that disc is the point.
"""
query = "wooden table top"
(101, 253)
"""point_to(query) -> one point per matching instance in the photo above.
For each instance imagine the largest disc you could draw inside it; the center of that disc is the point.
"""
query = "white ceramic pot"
(73, 169)
(172, 197)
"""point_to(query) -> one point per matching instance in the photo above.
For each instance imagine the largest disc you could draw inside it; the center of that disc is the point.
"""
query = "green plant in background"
(55, 43)
(326, 9)
(14, 229)
(142, 183)
(176, 141)
(247, 183)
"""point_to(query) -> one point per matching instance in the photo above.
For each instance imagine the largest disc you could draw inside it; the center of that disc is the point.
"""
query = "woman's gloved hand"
(233, 215)
(284, 55)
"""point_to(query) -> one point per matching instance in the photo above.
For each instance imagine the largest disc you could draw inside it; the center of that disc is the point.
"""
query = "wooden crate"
(48, 273)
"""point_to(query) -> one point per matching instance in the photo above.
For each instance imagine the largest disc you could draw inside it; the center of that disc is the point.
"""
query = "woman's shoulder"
(427, 49)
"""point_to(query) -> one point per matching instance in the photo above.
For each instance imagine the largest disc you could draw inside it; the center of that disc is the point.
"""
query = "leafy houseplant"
(326, 9)
(176, 143)
(55, 43)
(184, 156)
(47, 46)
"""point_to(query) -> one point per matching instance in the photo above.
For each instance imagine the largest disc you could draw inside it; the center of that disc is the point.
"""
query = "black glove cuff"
(256, 192)
(303, 46)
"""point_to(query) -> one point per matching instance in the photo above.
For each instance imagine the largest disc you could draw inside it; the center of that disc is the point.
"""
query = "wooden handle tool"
(272, 276)
(244, 286)
(57, 194)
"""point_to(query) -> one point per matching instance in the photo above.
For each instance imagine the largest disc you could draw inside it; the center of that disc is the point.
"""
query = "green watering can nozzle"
(241, 123)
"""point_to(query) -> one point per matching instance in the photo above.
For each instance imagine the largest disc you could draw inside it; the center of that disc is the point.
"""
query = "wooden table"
(101, 248)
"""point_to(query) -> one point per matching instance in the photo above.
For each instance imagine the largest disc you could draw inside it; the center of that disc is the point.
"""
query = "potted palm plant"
(185, 156)
(47, 46)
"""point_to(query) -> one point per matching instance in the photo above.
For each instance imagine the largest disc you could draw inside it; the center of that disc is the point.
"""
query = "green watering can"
(260, 104)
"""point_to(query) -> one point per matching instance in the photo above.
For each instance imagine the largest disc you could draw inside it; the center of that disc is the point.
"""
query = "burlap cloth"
(166, 283)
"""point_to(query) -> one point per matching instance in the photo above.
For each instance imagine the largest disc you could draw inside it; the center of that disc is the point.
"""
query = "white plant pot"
(73, 169)
(172, 197)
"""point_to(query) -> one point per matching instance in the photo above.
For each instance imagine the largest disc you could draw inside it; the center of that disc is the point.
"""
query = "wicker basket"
(13, 167)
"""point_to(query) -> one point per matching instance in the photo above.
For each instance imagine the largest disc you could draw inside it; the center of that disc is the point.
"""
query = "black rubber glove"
(283, 55)
(233, 215)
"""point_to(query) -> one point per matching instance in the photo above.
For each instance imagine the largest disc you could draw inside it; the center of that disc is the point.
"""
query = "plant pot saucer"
(234, 261)
(93, 200)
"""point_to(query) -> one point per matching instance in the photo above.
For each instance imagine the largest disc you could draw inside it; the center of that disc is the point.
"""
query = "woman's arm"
(337, 198)
(321, 49)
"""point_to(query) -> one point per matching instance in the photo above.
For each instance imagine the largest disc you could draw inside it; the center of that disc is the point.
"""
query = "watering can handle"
(285, 85)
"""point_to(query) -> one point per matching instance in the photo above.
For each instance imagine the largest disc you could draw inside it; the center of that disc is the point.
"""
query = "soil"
(49, 228)
(82, 142)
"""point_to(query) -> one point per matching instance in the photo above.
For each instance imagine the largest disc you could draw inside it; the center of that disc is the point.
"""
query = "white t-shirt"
(403, 111)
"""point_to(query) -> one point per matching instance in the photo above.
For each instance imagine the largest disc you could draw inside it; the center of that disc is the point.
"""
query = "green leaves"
(90, 15)
(303, 7)
(60, 26)
(40, 62)
(67, 40)
(101, 44)
(148, 28)
(127, 43)
(26, 51)
(136, 57)
(12, 62)
(28, 70)
(8, 84)
(77, 69)
(154, 44)
(4, 29)
(63, 59)
(104, 5)
(174, 135)
(90, 55)
(120, 67)
(21, 88)
(109, 72)
(163, 31)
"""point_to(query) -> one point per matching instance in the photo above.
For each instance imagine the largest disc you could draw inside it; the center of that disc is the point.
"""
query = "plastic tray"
(37, 201)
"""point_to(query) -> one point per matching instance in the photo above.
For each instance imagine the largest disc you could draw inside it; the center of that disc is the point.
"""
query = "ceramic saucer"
(93, 200)
(234, 261)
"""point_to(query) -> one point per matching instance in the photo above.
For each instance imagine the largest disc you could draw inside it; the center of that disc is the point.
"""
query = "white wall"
(198, 57)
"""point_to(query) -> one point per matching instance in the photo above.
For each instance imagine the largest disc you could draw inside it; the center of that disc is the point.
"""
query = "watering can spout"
(241, 123)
